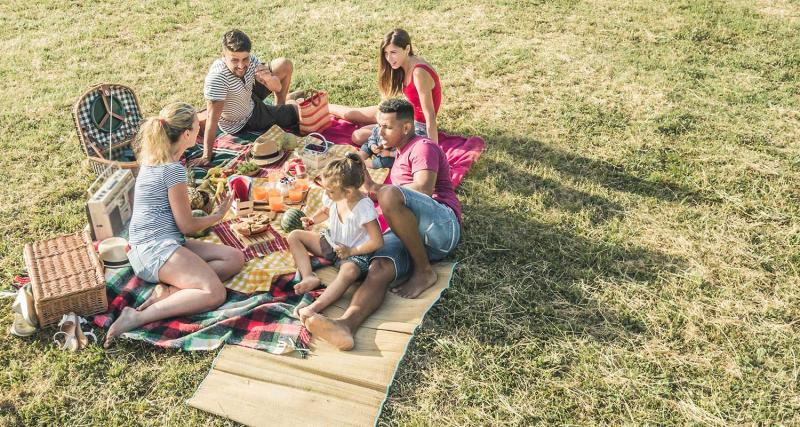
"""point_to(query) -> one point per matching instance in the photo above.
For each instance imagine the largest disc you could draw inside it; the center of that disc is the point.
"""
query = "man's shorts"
(361, 261)
(438, 226)
(265, 116)
(148, 258)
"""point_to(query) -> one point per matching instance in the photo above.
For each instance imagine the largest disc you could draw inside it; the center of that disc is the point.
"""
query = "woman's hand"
(307, 222)
(224, 206)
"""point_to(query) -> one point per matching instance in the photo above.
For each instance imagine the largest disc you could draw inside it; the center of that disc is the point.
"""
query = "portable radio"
(110, 204)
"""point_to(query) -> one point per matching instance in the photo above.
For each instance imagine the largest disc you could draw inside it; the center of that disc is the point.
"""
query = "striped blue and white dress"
(222, 85)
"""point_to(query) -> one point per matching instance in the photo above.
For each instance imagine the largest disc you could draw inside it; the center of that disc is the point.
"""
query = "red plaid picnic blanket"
(227, 236)
(262, 321)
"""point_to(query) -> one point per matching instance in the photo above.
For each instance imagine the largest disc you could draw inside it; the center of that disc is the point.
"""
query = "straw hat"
(113, 252)
(265, 152)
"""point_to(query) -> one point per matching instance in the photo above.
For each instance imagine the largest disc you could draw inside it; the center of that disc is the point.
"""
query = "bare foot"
(305, 312)
(307, 284)
(126, 321)
(331, 331)
(417, 283)
(161, 291)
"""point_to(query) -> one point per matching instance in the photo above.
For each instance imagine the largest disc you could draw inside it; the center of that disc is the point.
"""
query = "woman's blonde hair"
(345, 173)
(158, 136)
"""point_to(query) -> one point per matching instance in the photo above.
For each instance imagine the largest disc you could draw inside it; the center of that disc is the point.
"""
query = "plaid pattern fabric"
(228, 148)
(103, 140)
(262, 321)
(227, 237)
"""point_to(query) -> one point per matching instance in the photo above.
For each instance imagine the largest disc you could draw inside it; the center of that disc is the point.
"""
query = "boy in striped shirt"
(235, 88)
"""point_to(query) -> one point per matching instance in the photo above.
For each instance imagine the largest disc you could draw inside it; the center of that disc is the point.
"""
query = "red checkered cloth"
(262, 321)
(228, 237)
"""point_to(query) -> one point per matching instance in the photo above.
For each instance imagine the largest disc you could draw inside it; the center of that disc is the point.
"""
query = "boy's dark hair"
(236, 41)
(399, 106)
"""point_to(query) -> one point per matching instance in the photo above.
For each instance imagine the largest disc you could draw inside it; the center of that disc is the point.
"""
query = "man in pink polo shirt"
(423, 213)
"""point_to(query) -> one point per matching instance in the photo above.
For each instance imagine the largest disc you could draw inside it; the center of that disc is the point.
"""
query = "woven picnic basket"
(66, 275)
(107, 118)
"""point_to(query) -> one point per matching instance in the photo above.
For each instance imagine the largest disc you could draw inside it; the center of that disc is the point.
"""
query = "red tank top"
(411, 94)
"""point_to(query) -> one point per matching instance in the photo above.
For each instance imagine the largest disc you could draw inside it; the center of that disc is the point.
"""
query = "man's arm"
(424, 181)
(210, 133)
(264, 76)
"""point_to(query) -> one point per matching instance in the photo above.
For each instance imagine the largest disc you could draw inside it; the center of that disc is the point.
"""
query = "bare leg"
(300, 243)
(283, 69)
(200, 290)
(348, 273)
(224, 260)
(160, 291)
(404, 224)
(359, 116)
(366, 299)
(361, 135)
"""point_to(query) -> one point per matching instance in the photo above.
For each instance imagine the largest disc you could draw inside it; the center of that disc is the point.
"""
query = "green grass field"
(630, 250)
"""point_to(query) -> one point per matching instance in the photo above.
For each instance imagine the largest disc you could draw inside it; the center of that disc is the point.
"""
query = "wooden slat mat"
(328, 387)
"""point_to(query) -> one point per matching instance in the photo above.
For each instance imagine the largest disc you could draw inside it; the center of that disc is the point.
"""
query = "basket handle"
(325, 142)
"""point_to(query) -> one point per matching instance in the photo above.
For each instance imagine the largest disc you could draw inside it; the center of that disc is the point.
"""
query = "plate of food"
(248, 169)
(252, 224)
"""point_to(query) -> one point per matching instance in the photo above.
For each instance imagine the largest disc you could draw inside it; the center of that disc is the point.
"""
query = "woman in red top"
(399, 71)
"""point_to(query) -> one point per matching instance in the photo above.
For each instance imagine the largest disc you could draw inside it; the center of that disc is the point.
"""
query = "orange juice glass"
(295, 194)
(276, 203)
(301, 183)
(273, 190)
(260, 193)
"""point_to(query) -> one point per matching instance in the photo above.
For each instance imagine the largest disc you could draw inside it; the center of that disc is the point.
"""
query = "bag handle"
(316, 99)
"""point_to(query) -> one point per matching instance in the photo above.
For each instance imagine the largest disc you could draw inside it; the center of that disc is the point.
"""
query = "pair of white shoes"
(70, 335)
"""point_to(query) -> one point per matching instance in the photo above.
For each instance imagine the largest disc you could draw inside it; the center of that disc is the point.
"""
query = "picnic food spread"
(247, 168)
(252, 224)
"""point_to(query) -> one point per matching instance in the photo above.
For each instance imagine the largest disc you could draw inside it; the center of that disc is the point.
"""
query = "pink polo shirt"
(420, 153)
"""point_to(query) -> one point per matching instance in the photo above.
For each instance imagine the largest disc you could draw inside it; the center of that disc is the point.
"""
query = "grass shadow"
(615, 176)
(516, 180)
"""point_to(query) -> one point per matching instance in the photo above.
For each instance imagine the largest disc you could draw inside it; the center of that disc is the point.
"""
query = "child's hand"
(342, 251)
(307, 222)
(376, 148)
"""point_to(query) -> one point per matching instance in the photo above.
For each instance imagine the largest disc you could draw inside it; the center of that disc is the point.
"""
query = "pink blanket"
(461, 152)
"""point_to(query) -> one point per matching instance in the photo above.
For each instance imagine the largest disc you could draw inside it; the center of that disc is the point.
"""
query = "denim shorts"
(379, 162)
(438, 226)
(361, 261)
(148, 258)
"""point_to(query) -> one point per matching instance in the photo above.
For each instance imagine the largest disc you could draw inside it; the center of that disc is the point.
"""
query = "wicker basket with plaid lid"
(66, 275)
(107, 117)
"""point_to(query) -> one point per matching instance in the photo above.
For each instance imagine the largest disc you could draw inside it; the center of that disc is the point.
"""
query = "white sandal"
(67, 332)
(83, 337)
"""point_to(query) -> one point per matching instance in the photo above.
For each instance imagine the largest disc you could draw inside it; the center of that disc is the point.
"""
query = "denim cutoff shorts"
(148, 258)
(438, 226)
